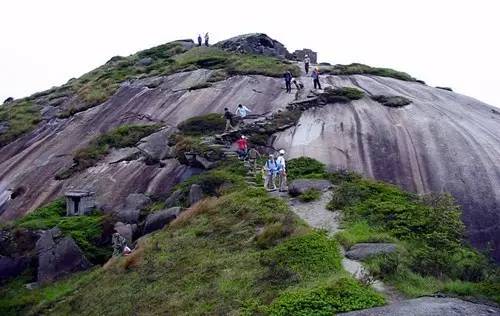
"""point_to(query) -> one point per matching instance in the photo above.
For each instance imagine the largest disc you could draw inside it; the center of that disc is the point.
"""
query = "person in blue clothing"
(288, 81)
(199, 39)
(315, 76)
(271, 169)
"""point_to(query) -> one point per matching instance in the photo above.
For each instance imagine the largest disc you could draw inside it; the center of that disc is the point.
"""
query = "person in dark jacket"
(288, 81)
(307, 60)
(315, 76)
(206, 39)
(199, 39)
(228, 116)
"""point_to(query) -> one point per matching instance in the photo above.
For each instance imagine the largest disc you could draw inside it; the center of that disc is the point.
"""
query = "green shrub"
(310, 195)
(343, 94)
(85, 230)
(341, 296)
(361, 69)
(20, 117)
(211, 123)
(273, 233)
(391, 100)
(305, 168)
(119, 137)
(307, 254)
(361, 232)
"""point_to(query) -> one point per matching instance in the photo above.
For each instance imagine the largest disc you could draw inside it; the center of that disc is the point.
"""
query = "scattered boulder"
(156, 145)
(8, 100)
(205, 163)
(174, 199)
(391, 100)
(58, 256)
(131, 211)
(122, 154)
(429, 306)
(362, 251)
(300, 54)
(145, 61)
(12, 267)
(255, 43)
(159, 219)
(299, 186)
(195, 194)
(126, 230)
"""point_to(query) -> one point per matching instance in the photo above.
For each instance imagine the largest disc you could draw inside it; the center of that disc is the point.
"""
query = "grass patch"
(305, 168)
(85, 230)
(391, 101)
(428, 230)
(342, 95)
(207, 124)
(119, 137)
(310, 195)
(360, 69)
(19, 118)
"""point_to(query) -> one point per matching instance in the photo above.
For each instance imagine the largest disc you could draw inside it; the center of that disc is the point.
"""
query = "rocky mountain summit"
(139, 131)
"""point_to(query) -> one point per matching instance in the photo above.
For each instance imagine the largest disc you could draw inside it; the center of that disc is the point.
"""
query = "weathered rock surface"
(442, 141)
(174, 199)
(156, 145)
(299, 186)
(126, 230)
(255, 43)
(159, 219)
(12, 267)
(429, 306)
(58, 256)
(362, 251)
(131, 210)
(195, 194)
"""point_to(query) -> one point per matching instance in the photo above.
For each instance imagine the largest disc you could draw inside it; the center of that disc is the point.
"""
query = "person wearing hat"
(282, 170)
(315, 76)
(306, 63)
(271, 169)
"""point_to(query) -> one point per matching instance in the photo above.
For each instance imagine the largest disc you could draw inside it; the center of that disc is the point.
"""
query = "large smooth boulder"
(58, 255)
(126, 230)
(429, 306)
(174, 199)
(156, 145)
(362, 251)
(299, 186)
(159, 219)
(255, 43)
(12, 267)
(195, 194)
(131, 210)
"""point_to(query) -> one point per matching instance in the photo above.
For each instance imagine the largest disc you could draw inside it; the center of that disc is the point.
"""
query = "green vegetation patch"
(310, 195)
(305, 168)
(119, 137)
(391, 100)
(19, 118)
(207, 124)
(85, 230)
(428, 230)
(342, 95)
(360, 69)
(341, 296)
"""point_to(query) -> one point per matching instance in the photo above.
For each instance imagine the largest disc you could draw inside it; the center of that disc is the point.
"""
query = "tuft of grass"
(342, 95)
(207, 124)
(360, 69)
(391, 100)
(19, 117)
(305, 168)
(119, 137)
(360, 232)
(85, 230)
(199, 86)
(310, 195)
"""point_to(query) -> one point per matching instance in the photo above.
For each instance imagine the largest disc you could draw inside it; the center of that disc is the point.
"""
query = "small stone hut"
(79, 202)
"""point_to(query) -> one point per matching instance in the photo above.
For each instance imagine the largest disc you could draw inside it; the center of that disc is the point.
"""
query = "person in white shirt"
(242, 111)
(282, 170)
(306, 63)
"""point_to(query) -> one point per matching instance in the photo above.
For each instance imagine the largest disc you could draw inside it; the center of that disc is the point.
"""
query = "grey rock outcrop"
(126, 230)
(195, 194)
(174, 199)
(159, 219)
(156, 145)
(145, 61)
(299, 186)
(300, 54)
(255, 43)
(362, 251)
(429, 306)
(58, 256)
(131, 210)
(12, 267)
(8, 100)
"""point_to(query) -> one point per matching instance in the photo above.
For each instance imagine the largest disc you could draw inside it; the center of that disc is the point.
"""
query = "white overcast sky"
(444, 42)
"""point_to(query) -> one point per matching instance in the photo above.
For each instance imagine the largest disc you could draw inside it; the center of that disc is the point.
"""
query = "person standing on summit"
(199, 39)
(206, 39)
(315, 76)
(288, 81)
(306, 63)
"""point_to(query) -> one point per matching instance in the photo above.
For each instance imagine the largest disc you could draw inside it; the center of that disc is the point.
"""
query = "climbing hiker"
(270, 168)
(306, 63)
(242, 111)
(228, 116)
(315, 76)
(288, 81)
(282, 170)
(253, 155)
(206, 39)
(242, 147)
(119, 243)
(199, 39)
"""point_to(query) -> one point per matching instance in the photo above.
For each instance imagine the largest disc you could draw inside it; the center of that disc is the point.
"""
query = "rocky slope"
(442, 141)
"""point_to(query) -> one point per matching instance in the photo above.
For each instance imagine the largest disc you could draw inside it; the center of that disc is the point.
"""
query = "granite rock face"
(159, 219)
(299, 186)
(255, 43)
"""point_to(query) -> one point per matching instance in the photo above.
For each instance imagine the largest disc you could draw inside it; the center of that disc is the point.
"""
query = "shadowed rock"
(256, 43)
(195, 194)
(362, 251)
(159, 219)
(299, 186)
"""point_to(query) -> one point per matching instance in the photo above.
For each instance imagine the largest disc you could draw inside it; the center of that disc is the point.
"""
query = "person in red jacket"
(242, 146)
